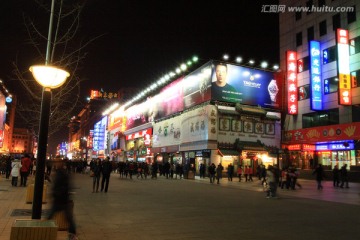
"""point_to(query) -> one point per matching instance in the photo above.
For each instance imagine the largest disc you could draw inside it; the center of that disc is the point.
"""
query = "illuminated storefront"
(327, 145)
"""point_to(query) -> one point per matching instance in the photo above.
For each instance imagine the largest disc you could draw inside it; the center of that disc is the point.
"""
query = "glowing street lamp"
(49, 78)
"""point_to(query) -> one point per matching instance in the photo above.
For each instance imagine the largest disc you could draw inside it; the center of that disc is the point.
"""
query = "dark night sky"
(143, 39)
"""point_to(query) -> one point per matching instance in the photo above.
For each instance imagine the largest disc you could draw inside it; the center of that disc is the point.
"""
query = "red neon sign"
(291, 78)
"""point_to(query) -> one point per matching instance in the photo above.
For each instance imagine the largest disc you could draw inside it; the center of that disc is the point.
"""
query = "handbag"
(92, 174)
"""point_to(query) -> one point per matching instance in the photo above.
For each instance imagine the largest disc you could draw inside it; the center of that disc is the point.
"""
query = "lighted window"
(299, 39)
(304, 92)
(351, 16)
(303, 64)
(310, 33)
(321, 3)
(336, 21)
(354, 45)
(320, 118)
(355, 113)
(329, 55)
(322, 28)
(355, 76)
(309, 4)
(331, 85)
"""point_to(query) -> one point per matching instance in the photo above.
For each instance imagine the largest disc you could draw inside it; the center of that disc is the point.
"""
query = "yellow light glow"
(47, 76)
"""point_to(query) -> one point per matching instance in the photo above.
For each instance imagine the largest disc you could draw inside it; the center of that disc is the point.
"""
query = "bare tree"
(67, 51)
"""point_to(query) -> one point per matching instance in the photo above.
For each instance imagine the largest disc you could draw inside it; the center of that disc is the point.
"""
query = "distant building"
(22, 141)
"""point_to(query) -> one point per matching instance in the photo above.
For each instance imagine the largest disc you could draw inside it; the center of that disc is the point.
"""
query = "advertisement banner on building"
(348, 131)
(237, 84)
(99, 138)
(342, 40)
(196, 86)
(170, 100)
(315, 76)
(167, 132)
(199, 124)
(291, 80)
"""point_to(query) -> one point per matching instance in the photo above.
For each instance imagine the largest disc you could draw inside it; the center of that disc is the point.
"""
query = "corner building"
(320, 56)
(186, 123)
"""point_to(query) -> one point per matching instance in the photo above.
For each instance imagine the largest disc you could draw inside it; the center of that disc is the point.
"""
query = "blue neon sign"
(315, 76)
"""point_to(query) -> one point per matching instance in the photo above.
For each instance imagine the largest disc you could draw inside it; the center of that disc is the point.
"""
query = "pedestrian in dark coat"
(106, 169)
(319, 172)
(344, 176)
(336, 177)
(61, 187)
(96, 169)
(219, 170)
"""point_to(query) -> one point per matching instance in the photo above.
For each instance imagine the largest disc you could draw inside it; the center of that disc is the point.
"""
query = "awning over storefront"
(199, 145)
(227, 152)
(250, 109)
(228, 110)
(252, 146)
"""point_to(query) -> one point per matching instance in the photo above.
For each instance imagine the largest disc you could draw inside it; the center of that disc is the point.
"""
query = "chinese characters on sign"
(291, 78)
(342, 40)
(315, 75)
(100, 94)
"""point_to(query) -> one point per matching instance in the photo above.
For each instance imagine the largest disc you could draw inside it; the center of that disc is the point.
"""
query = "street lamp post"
(48, 77)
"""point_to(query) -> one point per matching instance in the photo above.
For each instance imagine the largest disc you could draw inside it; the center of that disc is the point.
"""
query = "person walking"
(8, 164)
(25, 169)
(270, 179)
(106, 169)
(230, 172)
(344, 176)
(319, 172)
(202, 170)
(336, 178)
(246, 173)
(212, 171)
(61, 198)
(219, 170)
(239, 172)
(96, 169)
(15, 171)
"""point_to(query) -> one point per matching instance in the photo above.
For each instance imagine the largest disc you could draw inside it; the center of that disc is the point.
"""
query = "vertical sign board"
(315, 76)
(342, 39)
(291, 78)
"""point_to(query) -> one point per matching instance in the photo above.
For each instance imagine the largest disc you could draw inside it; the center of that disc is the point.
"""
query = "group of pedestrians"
(340, 176)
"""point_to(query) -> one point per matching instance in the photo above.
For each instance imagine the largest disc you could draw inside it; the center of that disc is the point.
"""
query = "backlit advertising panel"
(237, 84)
(315, 76)
(99, 137)
(170, 100)
(342, 39)
(196, 86)
(291, 79)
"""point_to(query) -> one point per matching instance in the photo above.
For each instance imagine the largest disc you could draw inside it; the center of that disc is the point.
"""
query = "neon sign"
(342, 39)
(315, 76)
(291, 78)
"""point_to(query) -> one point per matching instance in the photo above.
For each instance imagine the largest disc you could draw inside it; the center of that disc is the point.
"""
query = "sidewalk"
(89, 207)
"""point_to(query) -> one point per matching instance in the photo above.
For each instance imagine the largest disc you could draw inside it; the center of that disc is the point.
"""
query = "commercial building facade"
(186, 123)
(319, 54)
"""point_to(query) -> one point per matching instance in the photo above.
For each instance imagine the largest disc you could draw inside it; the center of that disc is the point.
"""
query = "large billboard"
(237, 84)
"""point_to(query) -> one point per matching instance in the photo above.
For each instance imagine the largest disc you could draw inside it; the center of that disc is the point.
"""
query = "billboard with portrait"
(237, 84)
